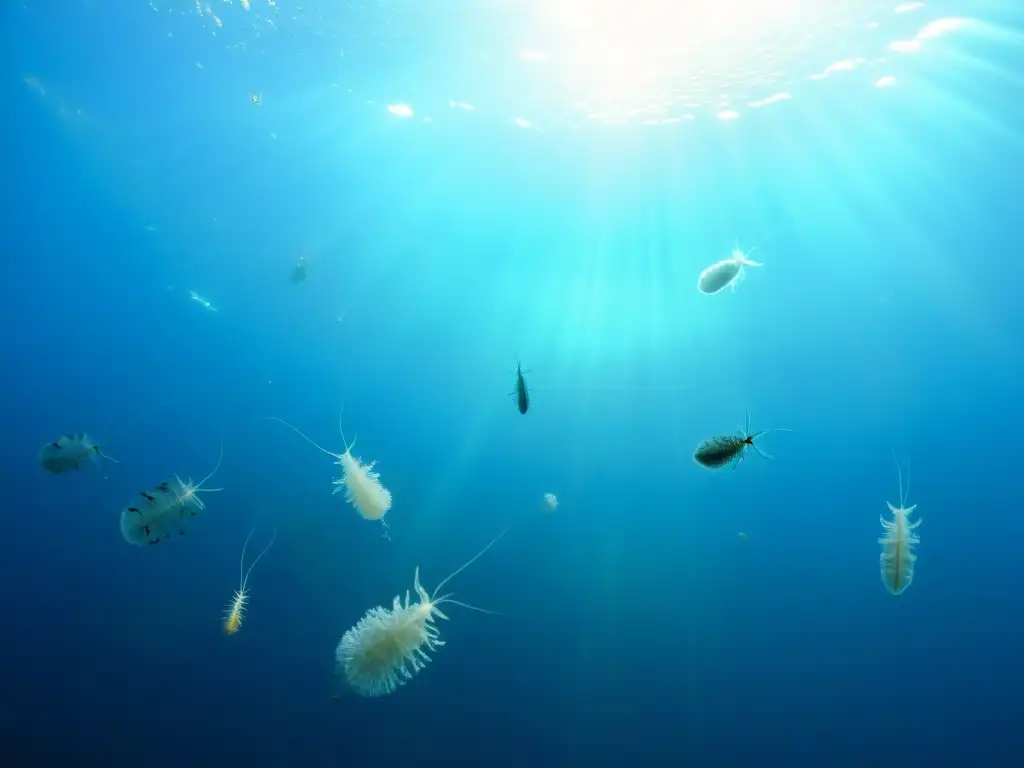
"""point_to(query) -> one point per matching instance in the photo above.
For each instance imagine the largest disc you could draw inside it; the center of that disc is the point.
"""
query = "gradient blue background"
(638, 628)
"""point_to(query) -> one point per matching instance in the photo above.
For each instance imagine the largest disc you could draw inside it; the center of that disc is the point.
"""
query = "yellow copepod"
(235, 612)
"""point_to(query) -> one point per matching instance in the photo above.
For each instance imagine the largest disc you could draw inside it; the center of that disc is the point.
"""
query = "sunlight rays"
(573, 62)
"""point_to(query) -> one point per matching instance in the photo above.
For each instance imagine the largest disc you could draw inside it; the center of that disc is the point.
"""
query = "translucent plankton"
(550, 503)
(898, 558)
(388, 647)
(234, 614)
(69, 452)
(163, 510)
(726, 273)
(362, 486)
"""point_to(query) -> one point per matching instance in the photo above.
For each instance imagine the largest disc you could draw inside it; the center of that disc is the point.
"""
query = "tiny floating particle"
(299, 272)
(34, 84)
(203, 302)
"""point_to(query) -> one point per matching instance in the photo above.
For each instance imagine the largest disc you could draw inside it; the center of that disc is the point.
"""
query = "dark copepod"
(522, 394)
(715, 452)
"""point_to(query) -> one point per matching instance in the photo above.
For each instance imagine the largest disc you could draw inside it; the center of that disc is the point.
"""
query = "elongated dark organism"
(715, 452)
(522, 393)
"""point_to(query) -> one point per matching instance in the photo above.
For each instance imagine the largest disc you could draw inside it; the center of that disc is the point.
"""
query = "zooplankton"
(386, 647)
(362, 486)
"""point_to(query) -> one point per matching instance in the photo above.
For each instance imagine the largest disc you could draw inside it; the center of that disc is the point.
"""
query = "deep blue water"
(638, 627)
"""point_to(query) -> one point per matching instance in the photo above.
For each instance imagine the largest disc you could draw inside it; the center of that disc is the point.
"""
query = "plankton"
(235, 612)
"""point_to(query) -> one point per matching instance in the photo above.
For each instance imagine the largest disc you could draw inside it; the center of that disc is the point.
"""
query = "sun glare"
(634, 56)
(674, 24)
(625, 43)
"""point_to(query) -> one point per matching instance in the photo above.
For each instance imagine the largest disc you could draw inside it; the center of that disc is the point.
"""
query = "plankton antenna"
(302, 434)
(904, 495)
(245, 579)
(750, 439)
(348, 448)
(752, 251)
(468, 563)
(220, 458)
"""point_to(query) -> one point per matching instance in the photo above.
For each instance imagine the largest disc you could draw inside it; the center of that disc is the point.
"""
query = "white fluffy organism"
(164, 509)
(387, 647)
(69, 452)
(898, 558)
(361, 485)
(550, 503)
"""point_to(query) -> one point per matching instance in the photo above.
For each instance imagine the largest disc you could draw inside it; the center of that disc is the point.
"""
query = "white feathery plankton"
(362, 486)
(388, 647)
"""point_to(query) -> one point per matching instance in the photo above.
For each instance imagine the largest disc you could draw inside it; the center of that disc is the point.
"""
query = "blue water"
(638, 627)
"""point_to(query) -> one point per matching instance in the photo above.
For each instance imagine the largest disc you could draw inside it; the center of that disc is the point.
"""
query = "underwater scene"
(512, 383)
